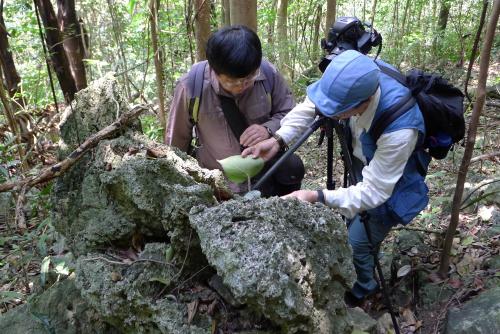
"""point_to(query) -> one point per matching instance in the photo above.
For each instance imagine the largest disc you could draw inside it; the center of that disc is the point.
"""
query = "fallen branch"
(54, 171)
(484, 157)
(419, 229)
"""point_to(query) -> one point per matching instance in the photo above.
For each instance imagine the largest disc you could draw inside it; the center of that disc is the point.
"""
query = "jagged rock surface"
(59, 310)
(128, 186)
(125, 210)
(479, 315)
(130, 295)
(287, 259)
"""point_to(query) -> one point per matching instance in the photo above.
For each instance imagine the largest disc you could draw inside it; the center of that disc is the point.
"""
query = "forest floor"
(27, 246)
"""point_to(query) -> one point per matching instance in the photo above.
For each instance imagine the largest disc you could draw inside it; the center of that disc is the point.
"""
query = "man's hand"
(310, 196)
(265, 149)
(254, 134)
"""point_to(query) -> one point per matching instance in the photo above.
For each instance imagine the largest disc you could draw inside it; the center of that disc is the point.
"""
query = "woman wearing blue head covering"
(391, 169)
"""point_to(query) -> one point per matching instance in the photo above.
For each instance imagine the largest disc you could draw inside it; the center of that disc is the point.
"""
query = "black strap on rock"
(234, 117)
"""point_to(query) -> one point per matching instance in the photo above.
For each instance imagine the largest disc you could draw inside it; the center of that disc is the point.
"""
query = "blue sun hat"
(349, 79)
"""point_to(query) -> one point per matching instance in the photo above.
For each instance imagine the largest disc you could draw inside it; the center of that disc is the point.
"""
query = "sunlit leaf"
(131, 6)
(169, 254)
(404, 270)
(44, 269)
(238, 169)
(61, 268)
(468, 240)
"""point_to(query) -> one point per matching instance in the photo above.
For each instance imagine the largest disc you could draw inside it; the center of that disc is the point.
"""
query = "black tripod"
(329, 125)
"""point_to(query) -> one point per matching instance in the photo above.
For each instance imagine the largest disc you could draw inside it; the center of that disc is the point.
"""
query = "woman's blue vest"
(409, 196)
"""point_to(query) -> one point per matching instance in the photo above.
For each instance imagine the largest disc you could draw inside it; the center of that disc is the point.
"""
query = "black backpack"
(441, 105)
(234, 119)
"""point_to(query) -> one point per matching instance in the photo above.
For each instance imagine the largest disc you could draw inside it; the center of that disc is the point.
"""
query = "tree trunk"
(372, 15)
(72, 40)
(474, 47)
(444, 12)
(471, 138)
(405, 17)
(244, 12)
(284, 58)
(315, 41)
(226, 13)
(158, 58)
(202, 27)
(12, 78)
(119, 44)
(9, 114)
(330, 15)
(271, 23)
(55, 48)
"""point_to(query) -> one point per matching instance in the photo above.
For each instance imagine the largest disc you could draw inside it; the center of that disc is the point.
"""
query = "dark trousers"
(286, 178)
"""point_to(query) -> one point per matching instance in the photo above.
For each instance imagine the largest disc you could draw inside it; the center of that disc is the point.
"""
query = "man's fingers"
(249, 140)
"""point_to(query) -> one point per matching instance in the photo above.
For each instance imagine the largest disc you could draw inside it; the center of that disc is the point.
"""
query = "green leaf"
(131, 6)
(61, 268)
(169, 254)
(238, 169)
(468, 240)
(7, 296)
(44, 269)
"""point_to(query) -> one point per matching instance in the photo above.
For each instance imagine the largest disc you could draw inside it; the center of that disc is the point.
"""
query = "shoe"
(351, 300)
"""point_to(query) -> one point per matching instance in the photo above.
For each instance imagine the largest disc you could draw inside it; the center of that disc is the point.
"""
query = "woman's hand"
(310, 196)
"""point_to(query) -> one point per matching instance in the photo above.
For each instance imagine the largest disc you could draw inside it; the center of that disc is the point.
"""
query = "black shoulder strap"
(389, 116)
(401, 78)
(234, 117)
(195, 86)
(381, 123)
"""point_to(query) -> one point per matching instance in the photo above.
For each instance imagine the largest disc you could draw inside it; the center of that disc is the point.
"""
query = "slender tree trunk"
(270, 31)
(315, 41)
(331, 6)
(226, 13)
(158, 58)
(444, 13)
(364, 10)
(474, 47)
(9, 114)
(55, 48)
(244, 12)
(12, 78)
(405, 18)
(119, 44)
(72, 40)
(372, 15)
(471, 138)
(202, 27)
(282, 32)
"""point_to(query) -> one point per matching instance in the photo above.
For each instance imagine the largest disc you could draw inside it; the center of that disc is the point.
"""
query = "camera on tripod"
(349, 33)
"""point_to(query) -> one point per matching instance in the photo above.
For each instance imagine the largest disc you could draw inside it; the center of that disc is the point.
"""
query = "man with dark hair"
(234, 100)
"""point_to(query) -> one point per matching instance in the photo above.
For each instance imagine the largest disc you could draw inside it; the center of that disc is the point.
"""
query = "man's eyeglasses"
(232, 83)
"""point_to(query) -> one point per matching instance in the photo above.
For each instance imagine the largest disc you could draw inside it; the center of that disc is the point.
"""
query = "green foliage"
(152, 128)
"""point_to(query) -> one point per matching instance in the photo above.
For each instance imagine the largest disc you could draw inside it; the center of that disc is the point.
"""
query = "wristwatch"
(321, 196)
(269, 131)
